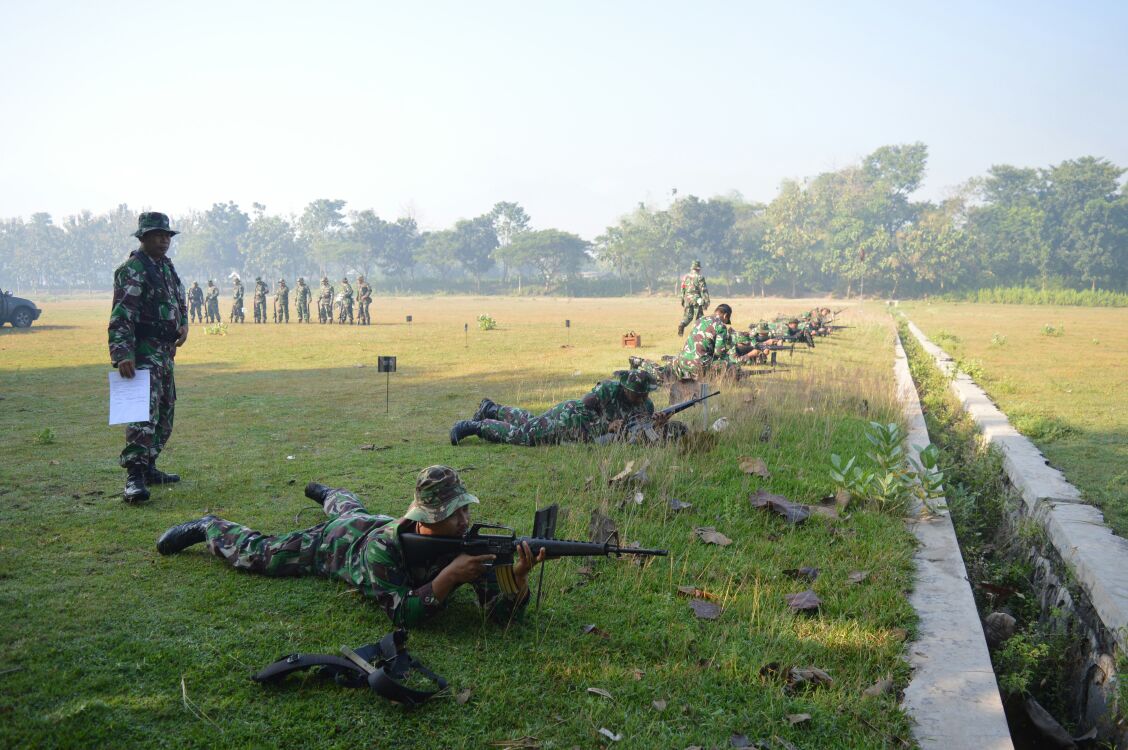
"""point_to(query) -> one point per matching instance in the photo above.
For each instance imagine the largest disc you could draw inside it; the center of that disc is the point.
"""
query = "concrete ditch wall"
(953, 697)
(1081, 567)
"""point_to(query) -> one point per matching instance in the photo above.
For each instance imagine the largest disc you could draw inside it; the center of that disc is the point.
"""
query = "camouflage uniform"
(346, 302)
(195, 303)
(711, 346)
(281, 302)
(260, 300)
(613, 403)
(364, 299)
(211, 304)
(302, 296)
(694, 296)
(237, 302)
(148, 308)
(325, 302)
(567, 422)
(364, 551)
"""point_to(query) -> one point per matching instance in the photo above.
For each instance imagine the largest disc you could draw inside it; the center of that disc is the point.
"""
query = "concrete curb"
(1097, 558)
(953, 697)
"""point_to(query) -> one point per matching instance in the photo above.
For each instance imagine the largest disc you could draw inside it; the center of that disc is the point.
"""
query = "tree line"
(856, 230)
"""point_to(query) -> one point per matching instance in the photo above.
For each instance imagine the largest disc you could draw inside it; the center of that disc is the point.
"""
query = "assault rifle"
(640, 428)
(420, 550)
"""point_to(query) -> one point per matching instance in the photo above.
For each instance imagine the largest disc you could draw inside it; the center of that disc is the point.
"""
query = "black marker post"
(568, 325)
(387, 365)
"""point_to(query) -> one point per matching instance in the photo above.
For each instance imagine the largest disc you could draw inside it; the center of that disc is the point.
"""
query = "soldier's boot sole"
(317, 492)
(464, 429)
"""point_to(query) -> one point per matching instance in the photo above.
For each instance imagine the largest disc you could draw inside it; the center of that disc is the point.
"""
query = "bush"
(1051, 330)
(46, 437)
(486, 322)
(1023, 295)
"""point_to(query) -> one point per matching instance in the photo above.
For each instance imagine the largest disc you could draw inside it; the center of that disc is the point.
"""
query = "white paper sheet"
(129, 397)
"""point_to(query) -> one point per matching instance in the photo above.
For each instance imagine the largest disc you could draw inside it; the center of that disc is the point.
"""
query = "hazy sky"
(576, 110)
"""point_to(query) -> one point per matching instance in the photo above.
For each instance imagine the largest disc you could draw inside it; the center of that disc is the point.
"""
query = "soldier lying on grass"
(364, 550)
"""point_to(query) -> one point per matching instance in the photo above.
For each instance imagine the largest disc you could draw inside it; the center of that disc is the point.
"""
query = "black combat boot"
(136, 490)
(184, 535)
(681, 329)
(317, 492)
(156, 476)
(486, 410)
(464, 429)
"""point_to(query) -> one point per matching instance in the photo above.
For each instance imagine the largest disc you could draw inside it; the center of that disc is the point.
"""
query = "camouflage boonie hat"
(696, 265)
(344, 279)
(152, 221)
(763, 328)
(639, 381)
(742, 338)
(794, 321)
(438, 494)
(301, 279)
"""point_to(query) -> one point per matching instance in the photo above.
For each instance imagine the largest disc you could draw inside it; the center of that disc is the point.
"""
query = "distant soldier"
(211, 303)
(302, 296)
(195, 303)
(710, 346)
(237, 313)
(364, 292)
(148, 322)
(694, 296)
(281, 302)
(325, 302)
(346, 301)
(260, 300)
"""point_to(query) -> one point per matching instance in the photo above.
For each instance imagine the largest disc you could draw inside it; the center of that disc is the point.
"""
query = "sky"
(576, 110)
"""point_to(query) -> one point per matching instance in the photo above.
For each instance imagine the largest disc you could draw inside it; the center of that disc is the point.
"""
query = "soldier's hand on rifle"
(661, 419)
(467, 568)
(183, 335)
(615, 425)
(525, 563)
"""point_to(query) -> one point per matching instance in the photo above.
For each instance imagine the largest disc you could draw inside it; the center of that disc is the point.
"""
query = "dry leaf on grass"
(630, 475)
(808, 677)
(463, 696)
(600, 527)
(881, 687)
(637, 674)
(696, 593)
(804, 601)
(522, 743)
(794, 719)
(676, 505)
(601, 691)
(638, 497)
(659, 705)
(610, 735)
(804, 573)
(899, 634)
(857, 577)
(794, 513)
(704, 609)
(750, 465)
(710, 535)
(594, 630)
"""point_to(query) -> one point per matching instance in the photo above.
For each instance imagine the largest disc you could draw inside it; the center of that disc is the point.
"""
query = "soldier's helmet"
(301, 279)
(344, 279)
(438, 494)
(152, 221)
(211, 282)
(806, 316)
(639, 381)
(281, 281)
(258, 278)
(793, 322)
(696, 265)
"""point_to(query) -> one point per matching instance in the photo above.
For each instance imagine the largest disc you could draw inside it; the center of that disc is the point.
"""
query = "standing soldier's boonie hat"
(438, 494)
(696, 265)
(152, 221)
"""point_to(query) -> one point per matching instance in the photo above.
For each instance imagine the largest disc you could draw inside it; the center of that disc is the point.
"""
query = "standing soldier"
(346, 301)
(694, 296)
(211, 303)
(148, 321)
(281, 302)
(303, 295)
(260, 300)
(237, 302)
(364, 299)
(325, 302)
(195, 302)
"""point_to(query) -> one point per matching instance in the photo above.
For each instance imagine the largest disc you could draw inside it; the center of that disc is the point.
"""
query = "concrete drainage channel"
(1080, 581)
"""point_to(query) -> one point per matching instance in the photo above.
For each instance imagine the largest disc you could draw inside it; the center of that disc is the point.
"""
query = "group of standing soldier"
(331, 306)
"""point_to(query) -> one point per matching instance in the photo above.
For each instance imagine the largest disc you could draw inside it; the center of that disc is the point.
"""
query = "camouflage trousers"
(320, 550)
(144, 440)
(237, 311)
(362, 316)
(566, 422)
(212, 309)
(281, 312)
(303, 311)
(692, 314)
(346, 312)
(325, 311)
(195, 313)
(260, 310)
(660, 371)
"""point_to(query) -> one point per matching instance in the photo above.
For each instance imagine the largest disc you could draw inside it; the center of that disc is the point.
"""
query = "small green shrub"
(486, 322)
(1018, 661)
(944, 337)
(45, 437)
(1051, 330)
(1042, 428)
(218, 329)
(973, 368)
(998, 339)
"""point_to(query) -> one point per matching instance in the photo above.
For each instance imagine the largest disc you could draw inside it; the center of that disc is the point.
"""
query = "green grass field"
(108, 644)
(1059, 374)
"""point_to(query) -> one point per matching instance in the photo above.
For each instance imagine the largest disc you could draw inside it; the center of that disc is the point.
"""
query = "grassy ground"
(1064, 388)
(106, 643)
